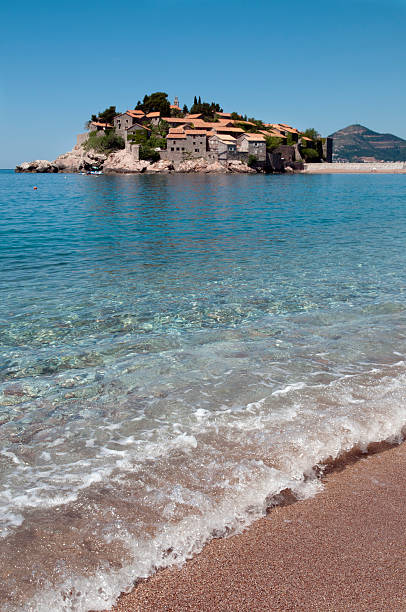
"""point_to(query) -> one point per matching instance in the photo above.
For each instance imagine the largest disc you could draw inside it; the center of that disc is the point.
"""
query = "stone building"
(253, 144)
(185, 144)
(154, 118)
(97, 126)
(125, 120)
(221, 147)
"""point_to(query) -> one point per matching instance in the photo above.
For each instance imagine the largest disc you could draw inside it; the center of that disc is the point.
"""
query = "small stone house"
(181, 144)
(125, 120)
(253, 144)
(154, 118)
(221, 147)
(99, 127)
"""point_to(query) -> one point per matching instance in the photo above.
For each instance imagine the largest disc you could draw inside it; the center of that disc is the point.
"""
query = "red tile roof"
(135, 113)
(195, 116)
(179, 135)
(254, 137)
(138, 125)
(154, 114)
(99, 124)
(177, 120)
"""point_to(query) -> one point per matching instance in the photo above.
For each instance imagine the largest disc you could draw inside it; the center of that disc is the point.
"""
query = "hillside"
(356, 142)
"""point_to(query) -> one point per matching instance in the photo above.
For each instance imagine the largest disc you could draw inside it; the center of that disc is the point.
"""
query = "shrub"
(311, 133)
(310, 155)
(252, 160)
(273, 142)
(107, 143)
(148, 153)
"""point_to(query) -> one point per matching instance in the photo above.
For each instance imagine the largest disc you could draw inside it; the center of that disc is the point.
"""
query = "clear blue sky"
(311, 64)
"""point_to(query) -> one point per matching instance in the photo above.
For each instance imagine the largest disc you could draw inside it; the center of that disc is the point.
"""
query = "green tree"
(185, 109)
(272, 142)
(107, 143)
(310, 155)
(105, 116)
(311, 133)
(155, 102)
(252, 160)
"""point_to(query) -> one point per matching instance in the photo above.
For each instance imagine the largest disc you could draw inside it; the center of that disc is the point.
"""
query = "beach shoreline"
(340, 550)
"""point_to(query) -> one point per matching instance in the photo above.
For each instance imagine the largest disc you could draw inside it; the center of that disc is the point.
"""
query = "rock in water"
(39, 165)
(123, 161)
(162, 165)
(79, 160)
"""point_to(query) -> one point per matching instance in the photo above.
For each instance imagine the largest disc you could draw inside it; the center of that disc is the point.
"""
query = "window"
(174, 142)
(172, 149)
(183, 148)
(177, 148)
(196, 150)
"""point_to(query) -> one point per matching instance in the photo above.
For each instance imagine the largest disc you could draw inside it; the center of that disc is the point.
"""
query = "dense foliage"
(106, 116)
(252, 160)
(155, 102)
(148, 145)
(208, 110)
(272, 142)
(107, 143)
(310, 155)
(311, 133)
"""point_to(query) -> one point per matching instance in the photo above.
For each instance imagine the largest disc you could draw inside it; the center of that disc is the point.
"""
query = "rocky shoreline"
(122, 162)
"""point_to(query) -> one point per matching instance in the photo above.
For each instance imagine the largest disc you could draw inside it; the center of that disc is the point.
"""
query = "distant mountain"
(358, 143)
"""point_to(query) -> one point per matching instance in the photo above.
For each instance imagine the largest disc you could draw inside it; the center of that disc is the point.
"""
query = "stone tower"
(176, 101)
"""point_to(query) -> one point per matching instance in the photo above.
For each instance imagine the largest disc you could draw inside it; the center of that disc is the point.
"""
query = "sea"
(175, 352)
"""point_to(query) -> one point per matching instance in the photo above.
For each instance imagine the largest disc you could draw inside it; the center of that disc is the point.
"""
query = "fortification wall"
(369, 167)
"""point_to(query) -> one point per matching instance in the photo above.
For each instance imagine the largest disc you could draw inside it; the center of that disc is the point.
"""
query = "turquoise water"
(174, 351)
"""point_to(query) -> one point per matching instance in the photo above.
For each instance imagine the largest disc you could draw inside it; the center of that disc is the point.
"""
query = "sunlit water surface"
(174, 351)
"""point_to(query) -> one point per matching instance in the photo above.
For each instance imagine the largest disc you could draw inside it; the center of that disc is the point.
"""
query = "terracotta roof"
(196, 132)
(224, 114)
(199, 123)
(306, 138)
(99, 124)
(234, 130)
(175, 107)
(138, 125)
(195, 116)
(134, 113)
(245, 122)
(154, 114)
(177, 130)
(224, 137)
(225, 122)
(177, 120)
(254, 137)
(179, 135)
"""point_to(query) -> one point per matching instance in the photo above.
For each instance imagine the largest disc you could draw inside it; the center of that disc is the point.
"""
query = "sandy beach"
(342, 550)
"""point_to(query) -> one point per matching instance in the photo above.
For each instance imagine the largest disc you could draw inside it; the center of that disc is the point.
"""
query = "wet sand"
(344, 549)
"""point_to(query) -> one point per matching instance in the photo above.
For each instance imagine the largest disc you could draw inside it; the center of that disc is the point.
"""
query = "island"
(159, 137)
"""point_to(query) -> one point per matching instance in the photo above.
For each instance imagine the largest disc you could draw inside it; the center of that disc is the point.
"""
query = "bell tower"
(176, 101)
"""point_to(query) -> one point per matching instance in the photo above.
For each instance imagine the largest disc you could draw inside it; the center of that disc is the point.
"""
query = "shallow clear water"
(174, 350)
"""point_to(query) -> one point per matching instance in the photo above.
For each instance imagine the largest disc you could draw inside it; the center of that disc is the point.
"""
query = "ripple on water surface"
(174, 351)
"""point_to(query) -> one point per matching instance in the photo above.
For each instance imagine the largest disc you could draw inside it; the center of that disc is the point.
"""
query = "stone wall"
(369, 167)
(81, 138)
